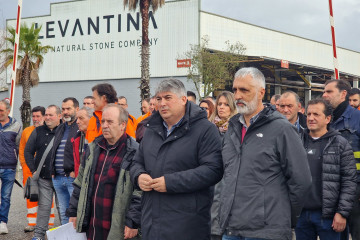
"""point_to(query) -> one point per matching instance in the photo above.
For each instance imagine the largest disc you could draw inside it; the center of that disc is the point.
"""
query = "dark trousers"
(354, 219)
(311, 224)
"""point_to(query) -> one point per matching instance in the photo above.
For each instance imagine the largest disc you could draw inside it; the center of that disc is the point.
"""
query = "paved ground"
(17, 217)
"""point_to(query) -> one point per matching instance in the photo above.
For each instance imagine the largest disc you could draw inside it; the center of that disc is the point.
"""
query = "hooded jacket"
(190, 161)
(266, 178)
(10, 135)
(338, 175)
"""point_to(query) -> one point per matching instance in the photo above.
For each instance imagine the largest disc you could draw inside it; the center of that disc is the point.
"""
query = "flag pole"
(16, 49)
(332, 25)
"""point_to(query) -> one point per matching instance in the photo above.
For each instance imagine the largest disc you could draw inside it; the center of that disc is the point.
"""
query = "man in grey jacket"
(266, 175)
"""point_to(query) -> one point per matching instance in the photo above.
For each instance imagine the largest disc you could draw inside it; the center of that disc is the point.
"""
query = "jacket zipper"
(322, 170)
(97, 188)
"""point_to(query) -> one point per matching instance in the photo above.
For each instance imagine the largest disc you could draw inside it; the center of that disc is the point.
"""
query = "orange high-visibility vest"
(31, 206)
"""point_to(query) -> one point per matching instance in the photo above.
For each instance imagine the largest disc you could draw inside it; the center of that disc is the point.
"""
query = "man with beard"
(347, 121)
(35, 148)
(354, 98)
(63, 173)
(266, 175)
(38, 115)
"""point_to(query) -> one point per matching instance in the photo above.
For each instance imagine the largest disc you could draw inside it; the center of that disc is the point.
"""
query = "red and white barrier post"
(336, 64)
(16, 48)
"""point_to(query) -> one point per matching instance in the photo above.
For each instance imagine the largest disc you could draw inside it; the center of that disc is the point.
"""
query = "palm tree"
(145, 47)
(31, 56)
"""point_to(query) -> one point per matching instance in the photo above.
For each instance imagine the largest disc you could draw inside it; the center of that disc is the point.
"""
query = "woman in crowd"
(225, 108)
(208, 106)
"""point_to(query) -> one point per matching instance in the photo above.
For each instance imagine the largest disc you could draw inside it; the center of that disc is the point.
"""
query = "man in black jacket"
(289, 106)
(266, 175)
(332, 165)
(34, 150)
(63, 174)
(178, 162)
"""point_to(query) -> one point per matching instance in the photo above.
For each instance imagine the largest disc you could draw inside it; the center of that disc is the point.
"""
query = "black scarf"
(339, 110)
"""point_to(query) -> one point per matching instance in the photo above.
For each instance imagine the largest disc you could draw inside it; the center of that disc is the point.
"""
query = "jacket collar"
(193, 113)
(11, 121)
(346, 115)
(266, 115)
(131, 145)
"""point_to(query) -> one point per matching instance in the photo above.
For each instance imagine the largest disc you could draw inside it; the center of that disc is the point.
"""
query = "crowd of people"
(231, 168)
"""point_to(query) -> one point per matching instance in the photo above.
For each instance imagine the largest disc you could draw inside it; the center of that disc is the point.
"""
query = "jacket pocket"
(248, 211)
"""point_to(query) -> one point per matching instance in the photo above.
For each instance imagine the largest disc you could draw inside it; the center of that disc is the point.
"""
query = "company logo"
(259, 135)
(94, 25)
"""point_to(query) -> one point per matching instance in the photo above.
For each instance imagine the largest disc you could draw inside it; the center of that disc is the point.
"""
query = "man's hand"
(72, 174)
(129, 232)
(73, 220)
(158, 184)
(144, 182)
(339, 223)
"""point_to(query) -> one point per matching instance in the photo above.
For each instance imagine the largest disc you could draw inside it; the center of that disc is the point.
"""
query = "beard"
(37, 123)
(248, 108)
(69, 118)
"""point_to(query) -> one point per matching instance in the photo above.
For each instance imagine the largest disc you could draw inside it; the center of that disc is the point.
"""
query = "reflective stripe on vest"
(357, 158)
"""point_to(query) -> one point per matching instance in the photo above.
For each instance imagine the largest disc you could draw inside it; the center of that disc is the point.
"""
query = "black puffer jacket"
(338, 175)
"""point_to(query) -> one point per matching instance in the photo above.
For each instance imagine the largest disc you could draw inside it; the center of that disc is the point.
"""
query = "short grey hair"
(89, 111)
(57, 108)
(123, 113)
(288, 93)
(6, 103)
(255, 73)
(171, 85)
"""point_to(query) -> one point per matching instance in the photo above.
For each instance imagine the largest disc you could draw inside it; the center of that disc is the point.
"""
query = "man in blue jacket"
(347, 121)
(10, 134)
(178, 162)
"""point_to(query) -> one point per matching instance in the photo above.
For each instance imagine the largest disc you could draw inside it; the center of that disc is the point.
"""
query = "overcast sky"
(305, 18)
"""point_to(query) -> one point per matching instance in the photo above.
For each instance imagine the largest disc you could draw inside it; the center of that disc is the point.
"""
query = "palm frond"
(131, 4)
(156, 4)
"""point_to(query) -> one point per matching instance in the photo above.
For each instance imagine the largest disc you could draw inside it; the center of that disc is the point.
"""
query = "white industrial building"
(98, 41)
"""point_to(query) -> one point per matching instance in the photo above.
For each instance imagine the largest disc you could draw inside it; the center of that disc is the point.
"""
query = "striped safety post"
(336, 64)
(16, 48)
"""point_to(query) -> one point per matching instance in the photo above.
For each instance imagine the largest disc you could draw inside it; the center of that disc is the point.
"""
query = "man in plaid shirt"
(103, 185)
